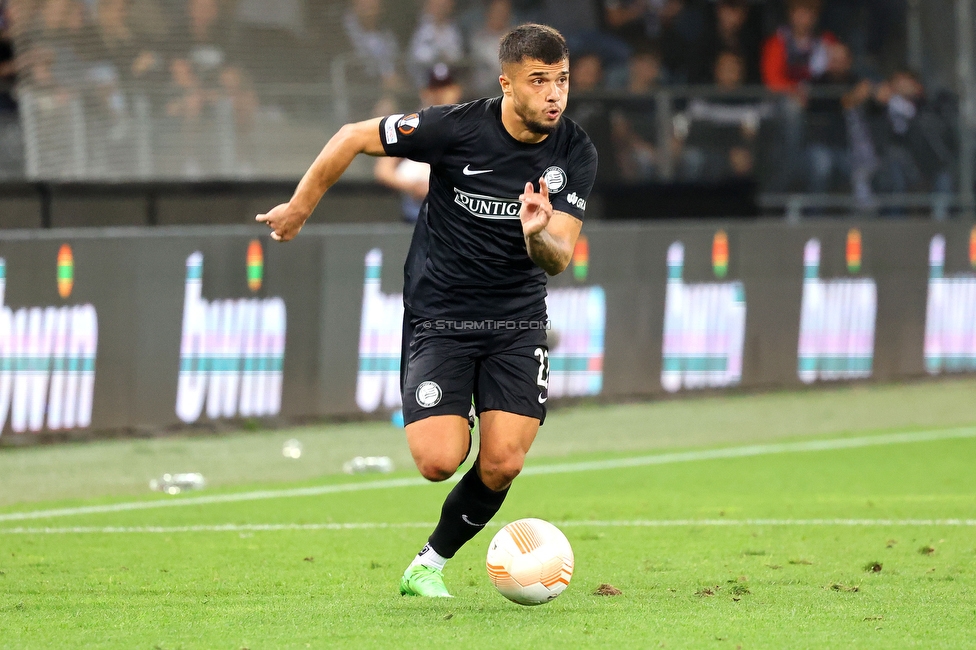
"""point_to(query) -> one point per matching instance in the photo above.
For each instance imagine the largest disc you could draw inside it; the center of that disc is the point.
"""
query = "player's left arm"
(552, 224)
(550, 235)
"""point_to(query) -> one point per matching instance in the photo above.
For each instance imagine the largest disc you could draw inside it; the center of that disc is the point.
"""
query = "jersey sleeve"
(421, 136)
(580, 177)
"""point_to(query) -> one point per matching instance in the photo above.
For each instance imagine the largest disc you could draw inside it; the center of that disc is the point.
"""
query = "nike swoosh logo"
(542, 400)
(471, 523)
(471, 172)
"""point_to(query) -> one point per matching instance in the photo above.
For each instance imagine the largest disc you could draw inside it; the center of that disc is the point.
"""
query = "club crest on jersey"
(429, 394)
(408, 124)
(487, 207)
(555, 179)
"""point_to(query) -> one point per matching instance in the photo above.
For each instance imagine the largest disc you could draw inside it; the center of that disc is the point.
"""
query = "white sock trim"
(429, 557)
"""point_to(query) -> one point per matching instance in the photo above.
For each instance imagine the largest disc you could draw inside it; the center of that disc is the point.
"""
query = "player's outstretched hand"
(536, 209)
(284, 221)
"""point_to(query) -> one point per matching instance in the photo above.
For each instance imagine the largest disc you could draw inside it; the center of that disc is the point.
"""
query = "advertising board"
(147, 329)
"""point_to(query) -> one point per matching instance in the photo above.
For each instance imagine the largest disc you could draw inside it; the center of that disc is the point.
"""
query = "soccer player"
(474, 319)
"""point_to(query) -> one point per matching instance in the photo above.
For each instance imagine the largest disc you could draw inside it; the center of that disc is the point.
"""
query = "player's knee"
(499, 473)
(436, 469)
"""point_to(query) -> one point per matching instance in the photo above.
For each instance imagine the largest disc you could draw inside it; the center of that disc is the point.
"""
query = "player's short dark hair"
(531, 41)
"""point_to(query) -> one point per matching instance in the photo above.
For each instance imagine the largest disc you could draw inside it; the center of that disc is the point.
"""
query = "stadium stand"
(815, 102)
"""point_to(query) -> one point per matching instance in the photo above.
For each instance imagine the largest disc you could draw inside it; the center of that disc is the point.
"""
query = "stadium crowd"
(806, 95)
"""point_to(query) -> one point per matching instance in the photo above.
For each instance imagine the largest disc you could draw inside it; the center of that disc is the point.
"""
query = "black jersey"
(468, 258)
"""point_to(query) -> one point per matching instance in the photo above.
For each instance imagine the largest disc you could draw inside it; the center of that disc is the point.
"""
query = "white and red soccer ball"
(530, 561)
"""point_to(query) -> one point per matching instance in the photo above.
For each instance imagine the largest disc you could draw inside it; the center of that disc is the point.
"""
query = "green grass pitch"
(868, 545)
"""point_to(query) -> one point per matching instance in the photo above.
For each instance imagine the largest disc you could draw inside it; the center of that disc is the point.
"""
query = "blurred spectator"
(586, 73)
(107, 123)
(374, 45)
(274, 40)
(55, 40)
(376, 67)
(633, 121)
(796, 53)
(484, 48)
(185, 107)
(437, 39)
(580, 22)
(11, 154)
(864, 157)
(529, 11)
(682, 30)
(718, 138)
(470, 15)
(65, 29)
(793, 57)
(195, 79)
(828, 148)
(150, 18)
(586, 76)
(208, 92)
(285, 16)
(409, 177)
(731, 27)
(645, 71)
(238, 89)
(132, 55)
(912, 138)
(8, 64)
(186, 96)
(636, 22)
(64, 21)
(442, 87)
(52, 105)
(19, 17)
(867, 26)
(210, 41)
(41, 77)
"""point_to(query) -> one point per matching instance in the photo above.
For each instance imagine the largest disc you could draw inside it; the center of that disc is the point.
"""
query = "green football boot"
(421, 580)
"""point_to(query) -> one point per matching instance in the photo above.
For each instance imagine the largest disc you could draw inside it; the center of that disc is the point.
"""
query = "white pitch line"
(666, 523)
(755, 450)
(218, 528)
(220, 498)
(639, 523)
(536, 470)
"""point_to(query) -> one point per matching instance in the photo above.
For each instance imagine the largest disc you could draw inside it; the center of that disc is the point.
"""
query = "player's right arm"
(287, 219)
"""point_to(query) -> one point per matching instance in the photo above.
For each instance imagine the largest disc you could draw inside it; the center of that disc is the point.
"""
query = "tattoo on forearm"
(546, 252)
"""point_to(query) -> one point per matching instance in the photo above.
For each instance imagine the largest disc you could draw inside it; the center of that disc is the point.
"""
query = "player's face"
(539, 93)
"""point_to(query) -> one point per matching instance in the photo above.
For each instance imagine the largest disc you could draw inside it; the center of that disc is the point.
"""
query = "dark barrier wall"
(214, 203)
(132, 329)
(77, 205)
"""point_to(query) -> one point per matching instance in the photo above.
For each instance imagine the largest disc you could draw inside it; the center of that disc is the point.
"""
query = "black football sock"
(469, 506)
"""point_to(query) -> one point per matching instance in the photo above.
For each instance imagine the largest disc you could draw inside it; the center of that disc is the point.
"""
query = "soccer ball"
(530, 561)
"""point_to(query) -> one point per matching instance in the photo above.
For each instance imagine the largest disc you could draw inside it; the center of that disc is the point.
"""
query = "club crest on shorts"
(429, 394)
(555, 179)
(408, 124)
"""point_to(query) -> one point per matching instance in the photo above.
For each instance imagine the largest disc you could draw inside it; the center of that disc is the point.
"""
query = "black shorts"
(505, 366)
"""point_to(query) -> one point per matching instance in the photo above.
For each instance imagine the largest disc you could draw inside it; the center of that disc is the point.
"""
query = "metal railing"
(66, 139)
(783, 147)
(275, 133)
